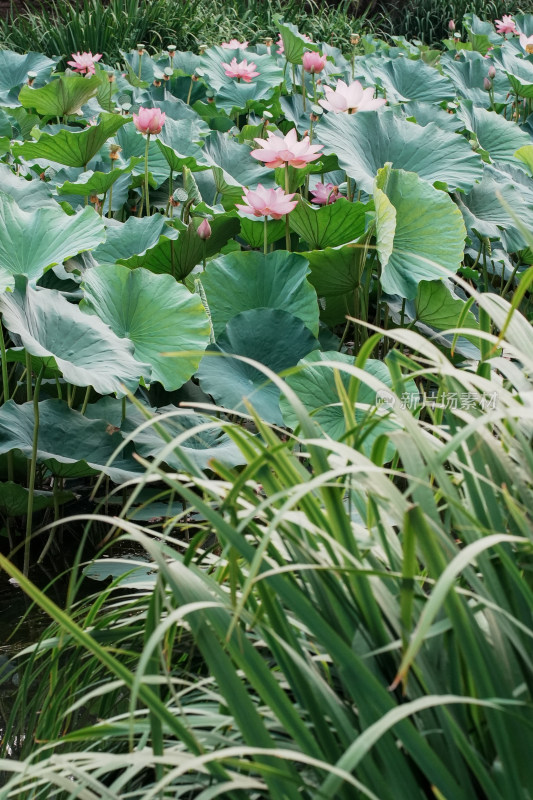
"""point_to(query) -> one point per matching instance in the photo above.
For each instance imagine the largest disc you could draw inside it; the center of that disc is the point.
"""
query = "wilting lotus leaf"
(500, 137)
(14, 69)
(154, 312)
(61, 97)
(419, 231)
(366, 141)
(315, 387)
(31, 241)
(330, 225)
(242, 281)
(72, 148)
(14, 499)
(82, 347)
(199, 447)
(69, 444)
(269, 336)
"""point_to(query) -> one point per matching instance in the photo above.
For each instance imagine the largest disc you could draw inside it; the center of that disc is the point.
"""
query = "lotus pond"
(199, 252)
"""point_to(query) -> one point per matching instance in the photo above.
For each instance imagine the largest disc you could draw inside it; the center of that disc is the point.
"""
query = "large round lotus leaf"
(500, 137)
(73, 148)
(93, 183)
(82, 347)
(486, 215)
(270, 336)
(420, 232)
(468, 76)
(316, 389)
(60, 97)
(28, 195)
(177, 142)
(133, 145)
(233, 166)
(270, 74)
(155, 313)
(242, 281)
(335, 274)
(365, 142)
(329, 225)
(199, 447)
(14, 499)
(133, 237)
(404, 79)
(424, 113)
(69, 444)
(31, 241)
(14, 69)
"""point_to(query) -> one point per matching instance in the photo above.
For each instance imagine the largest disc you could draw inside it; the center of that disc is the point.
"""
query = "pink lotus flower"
(263, 202)
(527, 43)
(313, 62)
(204, 229)
(234, 44)
(149, 120)
(84, 62)
(505, 25)
(241, 70)
(281, 46)
(324, 195)
(451, 25)
(276, 151)
(350, 98)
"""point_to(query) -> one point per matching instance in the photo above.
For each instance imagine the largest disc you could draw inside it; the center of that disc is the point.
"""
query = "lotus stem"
(86, 400)
(33, 470)
(287, 228)
(190, 92)
(303, 89)
(315, 99)
(5, 377)
(265, 235)
(146, 189)
(28, 377)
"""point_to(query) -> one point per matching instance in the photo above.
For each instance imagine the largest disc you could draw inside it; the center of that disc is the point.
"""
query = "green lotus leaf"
(269, 336)
(80, 345)
(90, 183)
(233, 166)
(178, 143)
(336, 274)
(72, 148)
(294, 44)
(133, 237)
(239, 282)
(500, 137)
(424, 113)
(404, 79)
(270, 74)
(200, 447)
(330, 225)
(490, 209)
(30, 242)
(253, 231)
(133, 145)
(155, 313)
(29, 195)
(316, 389)
(69, 444)
(61, 97)
(468, 76)
(437, 307)
(366, 141)
(519, 70)
(14, 499)
(14, 69)
(420, 232)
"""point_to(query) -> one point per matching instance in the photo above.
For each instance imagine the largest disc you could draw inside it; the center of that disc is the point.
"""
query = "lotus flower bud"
(492, 71)
(204, 229)
(487, 84)
(451, 26)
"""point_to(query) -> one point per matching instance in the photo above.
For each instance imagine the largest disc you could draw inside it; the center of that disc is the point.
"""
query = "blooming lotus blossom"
(263, 202)
(84, 62)
(323, 195)
(240, 70)
(505, 24)
(281, 46)
(527, 43)
(350, 98)
(149, 120)
(276, 151)
(313, 62)
(234, 44)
